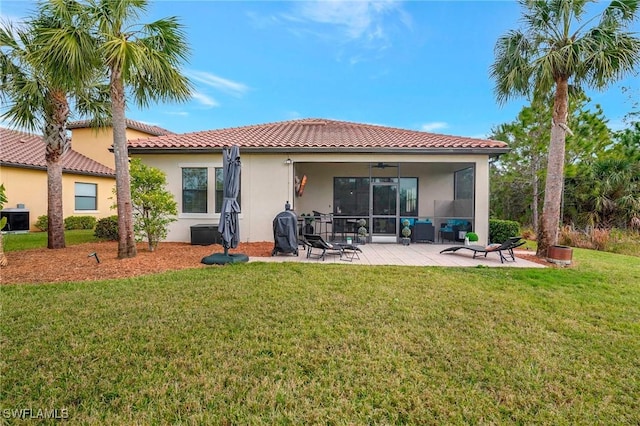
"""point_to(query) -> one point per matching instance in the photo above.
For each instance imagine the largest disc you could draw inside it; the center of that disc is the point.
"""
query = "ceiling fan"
(384, 165)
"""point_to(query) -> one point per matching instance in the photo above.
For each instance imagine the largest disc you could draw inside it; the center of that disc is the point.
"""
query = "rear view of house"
(335, 173)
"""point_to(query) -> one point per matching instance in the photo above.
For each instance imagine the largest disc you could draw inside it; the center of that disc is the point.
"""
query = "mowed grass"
(16, 242)
(265, 343)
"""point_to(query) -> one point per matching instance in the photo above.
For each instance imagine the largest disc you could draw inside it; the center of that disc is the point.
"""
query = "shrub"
(406, 231)
(42, 223)
(153, 205)
(79, 222)
(107, 228)
(501, 230)
(472, 236)
(591, 238)
(528, 234)
(568, 236)
(600, 239)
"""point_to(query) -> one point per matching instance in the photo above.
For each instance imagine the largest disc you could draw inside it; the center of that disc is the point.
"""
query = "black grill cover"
(285, 233)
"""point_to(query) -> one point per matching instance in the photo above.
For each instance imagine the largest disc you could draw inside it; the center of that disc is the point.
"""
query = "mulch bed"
(75, 263)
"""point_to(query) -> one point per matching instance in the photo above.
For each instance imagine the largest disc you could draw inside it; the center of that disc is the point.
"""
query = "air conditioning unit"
(17, 219)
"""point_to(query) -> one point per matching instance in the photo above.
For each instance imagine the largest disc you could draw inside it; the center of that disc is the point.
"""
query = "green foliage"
(472, 236)
(42, 223)
(362, 227)
(153, 206)
(33, 240)
(517, 178)
(107, 228)
(3, 199)
(79, 222)
(406, 231)
(501, 230)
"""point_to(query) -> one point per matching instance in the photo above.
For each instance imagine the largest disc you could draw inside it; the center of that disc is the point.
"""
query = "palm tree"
(146, 59)
(36, 87)
(557, 51)
(3, 199)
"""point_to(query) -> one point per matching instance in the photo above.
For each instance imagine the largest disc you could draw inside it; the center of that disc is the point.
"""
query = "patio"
(411, 255)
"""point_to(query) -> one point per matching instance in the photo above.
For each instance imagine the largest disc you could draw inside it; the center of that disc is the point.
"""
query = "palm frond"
(511, 69)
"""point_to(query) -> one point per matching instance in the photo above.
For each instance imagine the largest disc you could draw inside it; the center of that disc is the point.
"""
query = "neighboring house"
(86, 184)
(88, 169)
(347, 170)
(95, 143)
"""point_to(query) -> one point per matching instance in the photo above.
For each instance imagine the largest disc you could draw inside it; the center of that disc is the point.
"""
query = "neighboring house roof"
(318, 135)
(20, 149)
(131, 124)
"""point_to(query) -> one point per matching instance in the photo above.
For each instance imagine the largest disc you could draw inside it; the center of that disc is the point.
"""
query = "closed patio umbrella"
(228, 226)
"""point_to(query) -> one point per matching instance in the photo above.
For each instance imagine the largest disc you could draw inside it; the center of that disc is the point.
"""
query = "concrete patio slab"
(411, 255)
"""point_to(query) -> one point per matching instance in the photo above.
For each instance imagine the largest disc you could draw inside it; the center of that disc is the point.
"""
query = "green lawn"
(265, 343)
(16, 242)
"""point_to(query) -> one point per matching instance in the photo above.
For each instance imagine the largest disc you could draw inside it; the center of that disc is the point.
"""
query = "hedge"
(501, 230)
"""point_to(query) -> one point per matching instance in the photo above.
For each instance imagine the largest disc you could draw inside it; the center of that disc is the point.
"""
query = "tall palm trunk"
(56, 141)
(126, 238)
(3, 258)
(555, 170)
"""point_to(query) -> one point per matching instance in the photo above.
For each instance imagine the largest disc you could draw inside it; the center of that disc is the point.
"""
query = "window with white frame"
(194, 189)
(86, 196)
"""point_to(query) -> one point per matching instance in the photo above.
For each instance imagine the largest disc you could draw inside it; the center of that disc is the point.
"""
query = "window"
(463, 184)
(194, 189)
(409, 196)
(351, 196)
(220, 189)
(86, 196)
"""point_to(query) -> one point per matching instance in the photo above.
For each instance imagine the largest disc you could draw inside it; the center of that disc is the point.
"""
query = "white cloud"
(436, 125)
(224, 85)
(363, 21)
(358, 19)
(205, 100)
(293, 115)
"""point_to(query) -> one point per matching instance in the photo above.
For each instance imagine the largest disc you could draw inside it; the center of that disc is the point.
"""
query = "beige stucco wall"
(268, 182)
(95, 143)
(29, 187)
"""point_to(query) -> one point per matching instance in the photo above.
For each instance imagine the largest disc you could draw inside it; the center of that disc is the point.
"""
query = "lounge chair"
(504, 250)
(317, 242)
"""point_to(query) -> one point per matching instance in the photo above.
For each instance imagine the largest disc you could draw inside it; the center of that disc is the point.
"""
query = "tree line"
(601, 184)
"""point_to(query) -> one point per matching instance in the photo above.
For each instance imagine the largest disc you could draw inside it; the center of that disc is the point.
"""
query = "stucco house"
(88, 175)
(86, 183)
(346, 171)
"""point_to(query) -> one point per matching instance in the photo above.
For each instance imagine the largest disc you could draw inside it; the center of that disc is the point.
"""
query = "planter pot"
(406, 241)
(560, 255)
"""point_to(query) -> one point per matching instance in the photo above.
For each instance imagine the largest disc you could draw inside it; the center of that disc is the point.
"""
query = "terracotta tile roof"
(313, 134)
(27, 150)
(131, 124)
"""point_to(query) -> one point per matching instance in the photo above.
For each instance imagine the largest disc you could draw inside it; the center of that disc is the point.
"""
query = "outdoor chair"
(314, 241)
(504, 250)
(324, 220)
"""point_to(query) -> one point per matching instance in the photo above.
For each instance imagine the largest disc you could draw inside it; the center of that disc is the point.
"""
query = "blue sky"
(421, 65)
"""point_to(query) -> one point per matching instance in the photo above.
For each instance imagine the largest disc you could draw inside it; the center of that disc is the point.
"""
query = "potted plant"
(362, 231)
(471, 237)
(406, 233)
